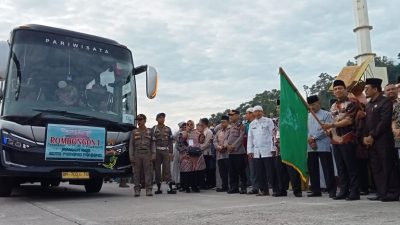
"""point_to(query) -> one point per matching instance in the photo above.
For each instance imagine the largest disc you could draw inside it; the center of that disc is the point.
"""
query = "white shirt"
(259, 138)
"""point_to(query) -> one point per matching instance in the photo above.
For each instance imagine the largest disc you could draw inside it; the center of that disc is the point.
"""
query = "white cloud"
(213, 55)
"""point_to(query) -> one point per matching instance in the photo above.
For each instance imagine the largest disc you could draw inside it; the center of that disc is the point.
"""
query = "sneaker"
(158, 192)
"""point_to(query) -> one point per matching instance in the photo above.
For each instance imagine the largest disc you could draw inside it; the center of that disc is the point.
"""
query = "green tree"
(350, 63)
(321, 88)
(267, 100)
(393, 70)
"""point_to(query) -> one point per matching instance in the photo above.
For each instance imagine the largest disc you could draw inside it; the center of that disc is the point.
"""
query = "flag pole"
(283, 73)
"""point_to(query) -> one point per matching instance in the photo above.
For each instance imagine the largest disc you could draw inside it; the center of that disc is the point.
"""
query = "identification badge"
(191, 142)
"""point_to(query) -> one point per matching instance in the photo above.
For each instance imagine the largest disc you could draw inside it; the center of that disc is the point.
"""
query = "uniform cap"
(141, 117)
(258, 108)
(181, 124)
(62, 84)
(160, 115)
(224, 118)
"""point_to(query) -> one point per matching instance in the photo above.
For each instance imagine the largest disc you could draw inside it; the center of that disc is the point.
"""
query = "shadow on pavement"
(33, 192)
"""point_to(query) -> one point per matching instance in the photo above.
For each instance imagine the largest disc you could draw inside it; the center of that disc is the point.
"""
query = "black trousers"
(237, 169)
(363, 172)
(347, 167)
(209, 173)
(191, 179)
(286, 174)
(223, 167)
(281, 174)
(327, 168)
(384, 166)
(295, 179)
(266, 174)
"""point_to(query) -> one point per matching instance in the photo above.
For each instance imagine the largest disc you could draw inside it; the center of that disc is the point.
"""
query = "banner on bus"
(77, 143)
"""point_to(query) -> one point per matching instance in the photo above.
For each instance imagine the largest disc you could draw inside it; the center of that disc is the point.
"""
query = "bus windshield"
(55, 72)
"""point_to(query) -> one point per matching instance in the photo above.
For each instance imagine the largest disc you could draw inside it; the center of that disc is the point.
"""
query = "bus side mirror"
(151, 82)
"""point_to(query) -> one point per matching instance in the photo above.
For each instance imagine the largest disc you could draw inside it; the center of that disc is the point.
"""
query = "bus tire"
(55, 183)
(6, 186)
(44, 184)
(94, 185)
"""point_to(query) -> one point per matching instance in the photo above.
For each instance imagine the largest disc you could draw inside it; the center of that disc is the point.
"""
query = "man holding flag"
(343, 139)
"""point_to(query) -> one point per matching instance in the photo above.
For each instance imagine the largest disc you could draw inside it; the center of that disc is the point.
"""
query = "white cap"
(62, 84)
(250, 110)
(258, 108)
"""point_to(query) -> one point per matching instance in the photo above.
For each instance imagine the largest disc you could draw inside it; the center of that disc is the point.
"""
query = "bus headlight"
(15, 141)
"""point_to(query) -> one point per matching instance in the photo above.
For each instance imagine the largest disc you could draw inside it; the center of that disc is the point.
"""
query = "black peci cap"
(339, 83)
(311, 99)
(373, 81)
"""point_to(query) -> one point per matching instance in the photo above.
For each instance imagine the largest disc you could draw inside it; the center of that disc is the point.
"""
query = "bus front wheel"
(6, 186)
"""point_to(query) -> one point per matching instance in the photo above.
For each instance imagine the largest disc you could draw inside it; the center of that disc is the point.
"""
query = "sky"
(214, 55)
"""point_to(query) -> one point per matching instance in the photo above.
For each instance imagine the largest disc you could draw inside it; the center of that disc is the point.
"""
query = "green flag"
(293, 126)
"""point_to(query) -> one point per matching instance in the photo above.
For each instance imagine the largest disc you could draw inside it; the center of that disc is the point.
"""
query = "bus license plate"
(75, 175)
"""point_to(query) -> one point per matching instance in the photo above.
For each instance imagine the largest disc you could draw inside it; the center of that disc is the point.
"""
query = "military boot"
(171, 190)
(123, 183)
(149, 192)
(158, 189)
(137, 192)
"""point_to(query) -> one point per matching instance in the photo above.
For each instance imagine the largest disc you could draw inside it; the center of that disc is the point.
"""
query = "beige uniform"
(141, 149)
(163, 142)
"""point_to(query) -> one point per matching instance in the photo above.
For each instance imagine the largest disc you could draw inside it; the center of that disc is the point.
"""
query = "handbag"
(195, 151)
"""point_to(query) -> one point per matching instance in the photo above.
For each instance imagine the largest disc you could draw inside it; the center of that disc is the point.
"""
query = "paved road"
(71, 205)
